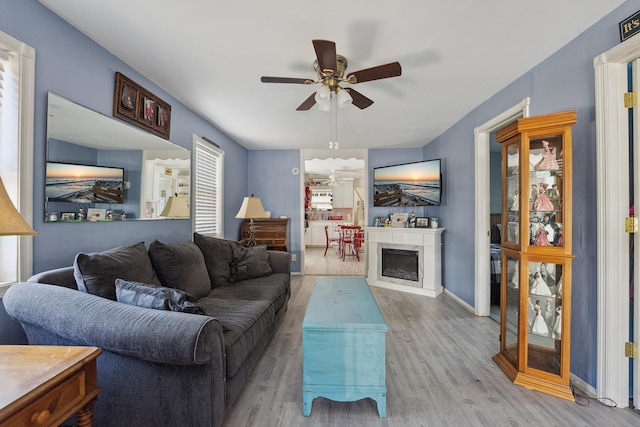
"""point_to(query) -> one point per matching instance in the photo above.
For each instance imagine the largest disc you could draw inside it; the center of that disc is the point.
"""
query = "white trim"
(482, 140)
(636, 237)
(612, 207)
(459, 301)
(584, 387)
(27, 59)
(303, 247)
(308, 154)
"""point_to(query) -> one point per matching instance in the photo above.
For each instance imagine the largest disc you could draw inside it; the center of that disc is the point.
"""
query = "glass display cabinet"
(535, 305)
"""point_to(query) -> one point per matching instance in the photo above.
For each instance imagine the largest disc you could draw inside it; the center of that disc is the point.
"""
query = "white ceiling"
(211, 54)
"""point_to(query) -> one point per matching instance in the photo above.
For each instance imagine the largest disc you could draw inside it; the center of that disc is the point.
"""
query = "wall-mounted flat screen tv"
(408, 184)
(68, 182)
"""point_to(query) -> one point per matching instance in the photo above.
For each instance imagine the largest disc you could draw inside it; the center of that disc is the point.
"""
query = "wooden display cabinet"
(535, 305)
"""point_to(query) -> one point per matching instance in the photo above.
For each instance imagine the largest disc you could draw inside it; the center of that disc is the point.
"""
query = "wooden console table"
(272, 232)
(45, 385)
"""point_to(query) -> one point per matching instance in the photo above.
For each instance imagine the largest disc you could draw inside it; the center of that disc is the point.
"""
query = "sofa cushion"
(218, 256)
(156, 297)
(96, 273)
(244, 322)
(248, 263)
(274, 288)
(181, 266)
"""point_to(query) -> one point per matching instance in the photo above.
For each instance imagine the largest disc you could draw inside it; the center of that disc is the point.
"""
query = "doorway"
(334, 185)
(483, 263)
(612, 150)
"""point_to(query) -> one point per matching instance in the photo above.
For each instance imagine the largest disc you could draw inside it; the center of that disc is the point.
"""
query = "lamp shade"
(251, 208)
(11, 223)
(176, 207)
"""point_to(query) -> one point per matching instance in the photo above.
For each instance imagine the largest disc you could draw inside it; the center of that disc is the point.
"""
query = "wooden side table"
(45, 385)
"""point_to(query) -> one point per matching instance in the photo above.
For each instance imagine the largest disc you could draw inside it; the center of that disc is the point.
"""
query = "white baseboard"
(459, 301)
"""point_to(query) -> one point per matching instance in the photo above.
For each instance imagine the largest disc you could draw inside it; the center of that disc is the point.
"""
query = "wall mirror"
(101, 169)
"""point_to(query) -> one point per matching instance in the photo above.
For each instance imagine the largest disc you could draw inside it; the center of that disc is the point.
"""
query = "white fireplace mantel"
(428, 240)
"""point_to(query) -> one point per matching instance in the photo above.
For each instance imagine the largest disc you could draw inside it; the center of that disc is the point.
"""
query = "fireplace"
(400, 264)
(405, 259)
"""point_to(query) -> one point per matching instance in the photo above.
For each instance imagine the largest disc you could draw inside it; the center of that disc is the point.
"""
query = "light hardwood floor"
(317, 264)
(439, 373)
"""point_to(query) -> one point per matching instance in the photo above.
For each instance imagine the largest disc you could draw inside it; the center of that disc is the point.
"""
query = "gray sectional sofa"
(180, 332)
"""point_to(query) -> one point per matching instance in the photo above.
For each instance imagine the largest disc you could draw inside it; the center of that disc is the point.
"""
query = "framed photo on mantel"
(136, 105)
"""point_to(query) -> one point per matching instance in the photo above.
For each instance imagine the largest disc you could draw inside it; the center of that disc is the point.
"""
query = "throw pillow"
(96, 273)
(181, 266)
(249, 263)
(218, 256)
(156, 297)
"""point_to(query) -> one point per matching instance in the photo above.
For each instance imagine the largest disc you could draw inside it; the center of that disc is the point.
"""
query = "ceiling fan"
(330, 68)
(332, 181)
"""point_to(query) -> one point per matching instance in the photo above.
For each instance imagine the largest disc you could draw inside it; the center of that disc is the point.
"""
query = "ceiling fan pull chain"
(333, 122)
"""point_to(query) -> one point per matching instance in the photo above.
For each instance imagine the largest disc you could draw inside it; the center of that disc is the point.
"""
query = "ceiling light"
(344, 98)
(323, 98)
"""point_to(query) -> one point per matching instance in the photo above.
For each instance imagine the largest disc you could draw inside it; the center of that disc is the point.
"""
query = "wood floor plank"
(439, 373)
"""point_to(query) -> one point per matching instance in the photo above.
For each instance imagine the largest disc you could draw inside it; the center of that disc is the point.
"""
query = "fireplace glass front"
(400, 264)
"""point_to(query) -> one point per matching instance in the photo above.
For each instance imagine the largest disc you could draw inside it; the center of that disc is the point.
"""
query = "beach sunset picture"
(411, 184)
(66, 182)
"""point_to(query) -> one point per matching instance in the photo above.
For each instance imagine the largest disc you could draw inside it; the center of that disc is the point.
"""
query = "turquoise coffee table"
(343, 344)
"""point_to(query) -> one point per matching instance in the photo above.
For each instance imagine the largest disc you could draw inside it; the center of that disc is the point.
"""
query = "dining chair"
(349, 243)
(329, 240)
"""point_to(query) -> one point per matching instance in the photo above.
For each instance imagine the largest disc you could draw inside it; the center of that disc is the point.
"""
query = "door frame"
(482, 135)
(612, 150)
(308, 154)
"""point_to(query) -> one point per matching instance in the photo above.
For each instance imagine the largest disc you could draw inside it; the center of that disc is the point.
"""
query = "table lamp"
(251, 208)
(176, 207)
(11, 222)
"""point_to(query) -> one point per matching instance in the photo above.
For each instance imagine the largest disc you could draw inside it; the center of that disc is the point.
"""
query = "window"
(208, 184)
(17, 83)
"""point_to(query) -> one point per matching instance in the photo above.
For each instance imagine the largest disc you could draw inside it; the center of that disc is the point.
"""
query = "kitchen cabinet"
(317, 235)
(343, 194)
(316, 231)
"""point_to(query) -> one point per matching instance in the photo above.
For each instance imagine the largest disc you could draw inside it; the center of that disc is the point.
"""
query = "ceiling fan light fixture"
(344, 98)
(323, 93)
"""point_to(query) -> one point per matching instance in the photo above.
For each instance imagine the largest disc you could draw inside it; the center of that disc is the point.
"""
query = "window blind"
(208, 198)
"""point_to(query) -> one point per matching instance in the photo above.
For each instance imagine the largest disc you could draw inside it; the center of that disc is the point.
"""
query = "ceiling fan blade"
(308, 103)
(392, 69)
(267, 79)
(359, 100)
(326, 54)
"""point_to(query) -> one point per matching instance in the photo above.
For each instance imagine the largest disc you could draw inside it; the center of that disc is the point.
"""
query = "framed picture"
(399, 220)
(67, 216)
(94, 214)
(148, 106)
(163, 118)
(133, 104)
(422, 222)
(125, 102)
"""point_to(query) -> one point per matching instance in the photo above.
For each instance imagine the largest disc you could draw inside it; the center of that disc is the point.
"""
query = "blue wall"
(270, 178)
(565, 81)
(73, 66)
